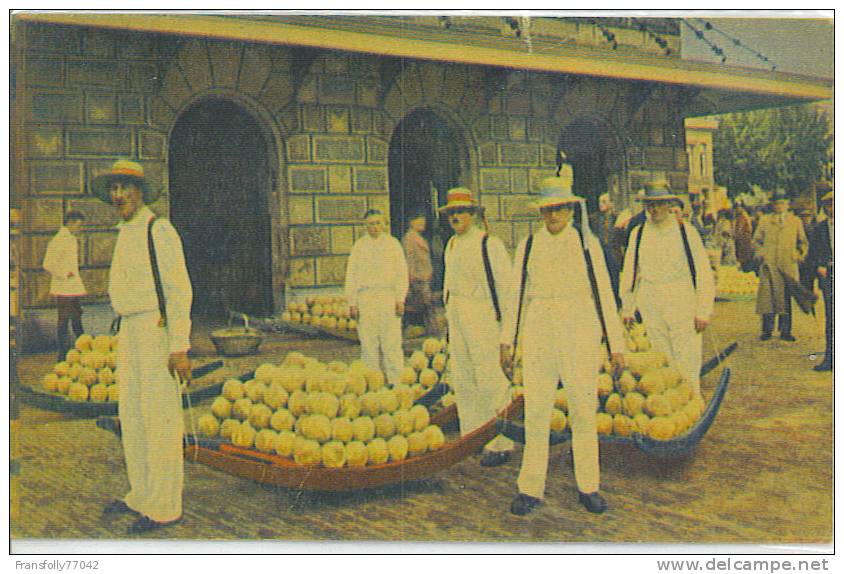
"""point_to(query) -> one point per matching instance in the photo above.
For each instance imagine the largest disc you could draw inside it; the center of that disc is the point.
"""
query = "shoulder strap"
(490, 278)
(522, 284)
(156, 275)
(445, 251)
(689, 257)
(593, 283)
(641, 229)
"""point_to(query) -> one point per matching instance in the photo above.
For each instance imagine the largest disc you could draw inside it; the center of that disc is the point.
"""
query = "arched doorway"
(593, 151)
(219, 180)
(426, 159)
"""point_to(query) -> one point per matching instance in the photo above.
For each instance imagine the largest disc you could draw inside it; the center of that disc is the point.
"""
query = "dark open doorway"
(218, 202)
(427, 158)
(592, 150)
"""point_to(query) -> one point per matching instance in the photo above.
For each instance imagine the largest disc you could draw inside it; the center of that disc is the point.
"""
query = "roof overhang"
(719, 88)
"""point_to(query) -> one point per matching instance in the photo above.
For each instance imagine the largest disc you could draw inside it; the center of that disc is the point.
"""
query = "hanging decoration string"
(608, 36)
(712, 46)
(710, 27)
(659, 40)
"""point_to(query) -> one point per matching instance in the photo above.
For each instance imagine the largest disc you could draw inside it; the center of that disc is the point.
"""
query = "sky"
(796, 45)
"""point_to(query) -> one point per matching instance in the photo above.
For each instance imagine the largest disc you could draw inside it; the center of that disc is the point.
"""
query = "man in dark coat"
(821, 252)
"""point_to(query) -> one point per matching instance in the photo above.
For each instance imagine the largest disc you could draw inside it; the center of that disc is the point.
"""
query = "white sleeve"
(510, 307)
(626, 288)
(352, 276)
(705, 289)
(57, 259)
(502, 273)
(602, 278)
(178, 293)
(401, 278)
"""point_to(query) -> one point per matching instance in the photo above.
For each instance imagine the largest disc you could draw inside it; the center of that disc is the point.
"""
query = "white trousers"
(669, 316)
(559, 345)
(379, 331)
(480, 387)
(150, 410)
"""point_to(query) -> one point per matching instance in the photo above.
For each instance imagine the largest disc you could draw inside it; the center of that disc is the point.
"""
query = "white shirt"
(62, 257)
(376, 264)
(662, 262)
(465, 275)
(557, 270)
(131, 285)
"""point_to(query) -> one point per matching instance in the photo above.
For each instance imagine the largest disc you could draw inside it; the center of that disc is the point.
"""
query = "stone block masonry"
(90, 96)
(87, 106)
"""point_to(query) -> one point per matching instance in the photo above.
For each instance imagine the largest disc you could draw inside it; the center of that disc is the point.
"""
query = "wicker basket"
(237, 341)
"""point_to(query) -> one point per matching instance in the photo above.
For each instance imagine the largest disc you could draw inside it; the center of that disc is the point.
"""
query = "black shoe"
(787, 337)
(823, 367)
(495, 458)
(765, 337)
(523, 504)
(593, 502)
(147, 524)
(116, 507)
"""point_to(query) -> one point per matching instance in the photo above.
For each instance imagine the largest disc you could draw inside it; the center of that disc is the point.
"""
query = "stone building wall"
(94, 95)
(84, 100)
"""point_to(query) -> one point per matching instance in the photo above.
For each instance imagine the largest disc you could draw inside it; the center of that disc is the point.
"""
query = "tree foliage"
(774, 148)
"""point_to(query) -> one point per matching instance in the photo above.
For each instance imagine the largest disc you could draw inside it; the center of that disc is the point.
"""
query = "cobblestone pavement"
(763, 473)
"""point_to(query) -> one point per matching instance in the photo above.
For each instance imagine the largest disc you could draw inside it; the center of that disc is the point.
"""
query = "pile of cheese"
(324, 312)
(330, 414)
(649, 396)
(88, 371)
(730, 281)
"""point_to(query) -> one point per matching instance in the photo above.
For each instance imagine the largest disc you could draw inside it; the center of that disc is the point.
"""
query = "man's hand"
(701, 324)
(69, 274)
(628, 320)
(505, 359)
(353, 311)
(617, 362)
(179, 366)
(399, 308)
(822, 272)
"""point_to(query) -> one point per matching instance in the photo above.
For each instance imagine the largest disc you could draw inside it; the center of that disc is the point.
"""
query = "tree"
(775, 148)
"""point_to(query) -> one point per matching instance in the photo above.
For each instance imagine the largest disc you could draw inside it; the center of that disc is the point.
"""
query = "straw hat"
(657, 190)
(557, 190)
(123, 170)
(458, 197)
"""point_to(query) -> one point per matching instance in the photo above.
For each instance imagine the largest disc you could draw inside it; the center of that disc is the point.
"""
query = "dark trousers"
(828, 289)
(70, 311)
(785, 318)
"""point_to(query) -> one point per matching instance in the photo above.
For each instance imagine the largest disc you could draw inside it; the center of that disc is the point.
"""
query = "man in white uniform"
(154, 341)
(673, 287)
(62, 263)
(475, 291)
(376, 287)
(565, 317)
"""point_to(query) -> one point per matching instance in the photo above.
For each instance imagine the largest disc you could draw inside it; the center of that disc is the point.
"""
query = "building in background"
(271, 135)
(699, 150)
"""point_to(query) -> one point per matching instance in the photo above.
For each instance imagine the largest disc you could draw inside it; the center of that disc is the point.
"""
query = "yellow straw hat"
(123, 170)
(458, 197)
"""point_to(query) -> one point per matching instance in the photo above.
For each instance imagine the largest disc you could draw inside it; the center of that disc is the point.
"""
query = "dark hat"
(123, 170)
(658, 190)
(779, 194)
